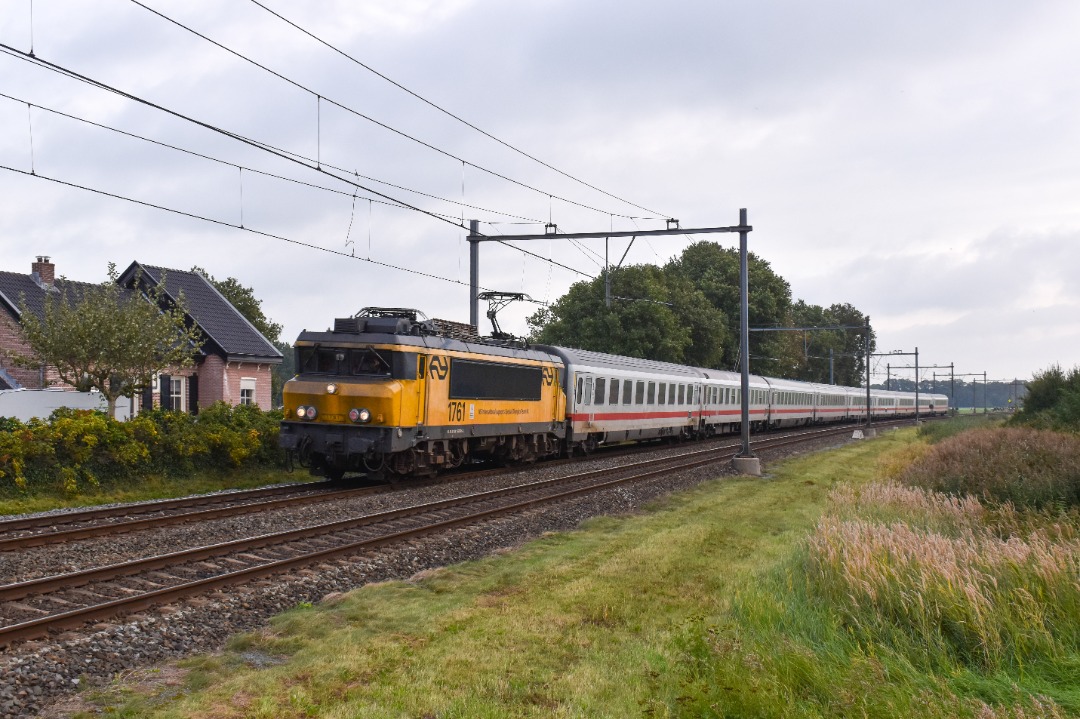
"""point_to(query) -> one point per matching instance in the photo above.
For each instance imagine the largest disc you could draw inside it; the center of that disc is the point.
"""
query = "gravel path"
(36, 673)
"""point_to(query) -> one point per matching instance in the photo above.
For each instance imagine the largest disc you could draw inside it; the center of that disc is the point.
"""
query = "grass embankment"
(736, 599)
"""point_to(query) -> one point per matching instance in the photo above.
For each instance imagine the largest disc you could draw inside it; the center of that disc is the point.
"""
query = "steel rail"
(161, 505)
(97, 530)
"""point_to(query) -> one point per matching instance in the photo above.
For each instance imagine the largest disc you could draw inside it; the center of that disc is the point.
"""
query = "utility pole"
(869, 412)
(745, 461)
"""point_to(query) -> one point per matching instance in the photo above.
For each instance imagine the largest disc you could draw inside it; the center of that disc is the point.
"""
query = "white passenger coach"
(615, 399)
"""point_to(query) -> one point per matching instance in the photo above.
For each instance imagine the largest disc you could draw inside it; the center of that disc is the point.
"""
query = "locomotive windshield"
(356, 362)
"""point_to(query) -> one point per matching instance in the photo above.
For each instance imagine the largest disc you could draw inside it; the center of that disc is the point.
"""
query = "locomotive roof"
(331, 338)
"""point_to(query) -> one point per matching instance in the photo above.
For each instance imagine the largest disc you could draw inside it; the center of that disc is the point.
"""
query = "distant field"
(770, 597)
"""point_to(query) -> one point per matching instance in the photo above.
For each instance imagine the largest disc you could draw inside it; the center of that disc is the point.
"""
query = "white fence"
(22, 404)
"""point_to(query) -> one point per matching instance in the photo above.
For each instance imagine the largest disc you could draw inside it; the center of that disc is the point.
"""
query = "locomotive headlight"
(331, 388)
(304, 412)
(359, 416)
(301, 411)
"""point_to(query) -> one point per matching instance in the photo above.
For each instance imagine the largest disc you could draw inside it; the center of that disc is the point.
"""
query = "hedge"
(73, 449)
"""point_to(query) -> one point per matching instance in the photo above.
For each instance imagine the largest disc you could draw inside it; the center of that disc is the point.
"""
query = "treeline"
(688, 312)
(992, 395)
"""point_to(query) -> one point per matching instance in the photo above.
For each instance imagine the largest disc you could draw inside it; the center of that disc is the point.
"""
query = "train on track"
(388, 392)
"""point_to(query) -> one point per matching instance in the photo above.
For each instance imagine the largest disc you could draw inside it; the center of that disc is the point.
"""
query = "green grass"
(13, 501)
(701, 607)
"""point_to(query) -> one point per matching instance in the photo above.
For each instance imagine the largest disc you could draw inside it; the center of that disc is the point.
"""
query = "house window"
(176, 393)
(247, 390)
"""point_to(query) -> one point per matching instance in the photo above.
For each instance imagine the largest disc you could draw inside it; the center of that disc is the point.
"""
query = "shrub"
(74, 449)
(1053, 400)
(1027, 467)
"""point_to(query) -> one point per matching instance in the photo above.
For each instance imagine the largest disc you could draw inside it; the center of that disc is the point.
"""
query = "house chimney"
(44, 270)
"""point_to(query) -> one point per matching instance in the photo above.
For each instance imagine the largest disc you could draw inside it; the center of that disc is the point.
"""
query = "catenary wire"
(265, 147)
(263, 172)
(283, 154)
(223, 223)
(443, 110)
(370, 119)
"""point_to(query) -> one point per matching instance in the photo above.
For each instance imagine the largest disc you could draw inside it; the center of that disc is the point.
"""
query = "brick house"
(233, 365)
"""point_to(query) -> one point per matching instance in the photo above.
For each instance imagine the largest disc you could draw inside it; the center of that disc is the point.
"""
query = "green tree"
(652, 315)
(808, 352)
(1053, 399)
(714, 271)
(110, 339)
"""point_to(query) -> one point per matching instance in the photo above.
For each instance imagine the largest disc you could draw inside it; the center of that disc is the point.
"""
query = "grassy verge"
(144, 488)
(707, 606)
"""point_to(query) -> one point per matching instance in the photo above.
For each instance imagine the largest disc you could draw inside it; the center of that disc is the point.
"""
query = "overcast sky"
(920, 160)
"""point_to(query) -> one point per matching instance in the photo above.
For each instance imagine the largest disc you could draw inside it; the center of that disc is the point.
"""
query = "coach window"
(587, 394)
(650, 394)
(663, 393)
(601, 390)
(577, 391)
(627, 391)
(613, 394)
(640, 394)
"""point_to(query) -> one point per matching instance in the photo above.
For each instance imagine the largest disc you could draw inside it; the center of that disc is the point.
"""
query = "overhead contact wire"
(359, 114)
(223, 223)
(446, 112)
(211, 158)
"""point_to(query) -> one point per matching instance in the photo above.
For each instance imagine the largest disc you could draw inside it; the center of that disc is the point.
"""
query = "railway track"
(43, 530)
(41, 606)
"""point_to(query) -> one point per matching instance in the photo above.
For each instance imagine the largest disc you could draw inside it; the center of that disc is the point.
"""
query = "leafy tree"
(808, 352)
(1046, 388)
(1053, 399)
(653, 316)
(243, 299)
(108, 338)
(714, 271)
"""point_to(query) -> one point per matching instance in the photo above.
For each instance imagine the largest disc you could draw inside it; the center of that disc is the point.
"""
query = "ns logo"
(438, 368)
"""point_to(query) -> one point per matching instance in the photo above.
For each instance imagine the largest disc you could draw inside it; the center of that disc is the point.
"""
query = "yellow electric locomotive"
(388, 392)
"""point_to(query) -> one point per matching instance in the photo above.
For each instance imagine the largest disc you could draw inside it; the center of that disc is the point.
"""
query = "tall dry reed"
(973, 597)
